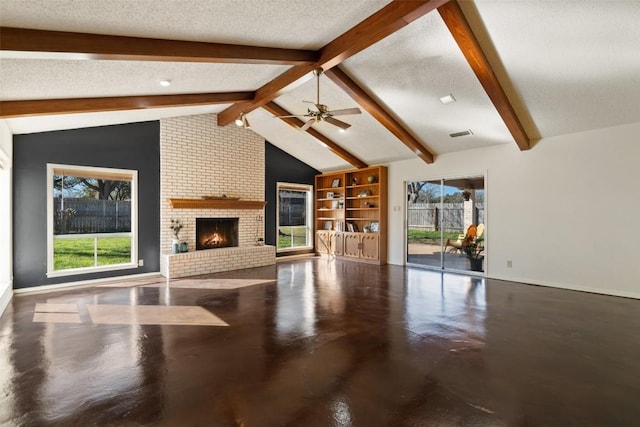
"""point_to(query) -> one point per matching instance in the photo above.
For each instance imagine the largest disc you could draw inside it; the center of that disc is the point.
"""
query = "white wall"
(566, 212)
(5, 216)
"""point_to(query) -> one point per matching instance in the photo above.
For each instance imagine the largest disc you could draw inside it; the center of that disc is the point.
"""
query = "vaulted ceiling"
(518, 70)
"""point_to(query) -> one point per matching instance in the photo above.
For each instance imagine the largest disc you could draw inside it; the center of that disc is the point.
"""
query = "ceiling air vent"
(463, 133)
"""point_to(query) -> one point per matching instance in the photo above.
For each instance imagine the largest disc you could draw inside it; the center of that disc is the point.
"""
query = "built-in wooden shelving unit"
(351, 214)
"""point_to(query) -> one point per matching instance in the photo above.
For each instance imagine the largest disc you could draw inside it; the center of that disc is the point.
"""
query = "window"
(294, 217)
(91, 219)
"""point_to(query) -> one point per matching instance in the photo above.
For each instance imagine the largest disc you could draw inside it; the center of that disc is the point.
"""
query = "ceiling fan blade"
(345, 112)
(308, 124)
(338, 123)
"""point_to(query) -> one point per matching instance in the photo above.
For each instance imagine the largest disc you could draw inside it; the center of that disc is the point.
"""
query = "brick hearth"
(194, 263)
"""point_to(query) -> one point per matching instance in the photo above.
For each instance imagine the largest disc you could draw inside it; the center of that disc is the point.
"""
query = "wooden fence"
(83, 216)
(292, 209)
(429, 216)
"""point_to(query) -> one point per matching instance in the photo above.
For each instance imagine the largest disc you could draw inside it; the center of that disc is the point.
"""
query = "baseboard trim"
(533, 282)
(609, 292)
(83, 283)
(5, 298)
(296, 256)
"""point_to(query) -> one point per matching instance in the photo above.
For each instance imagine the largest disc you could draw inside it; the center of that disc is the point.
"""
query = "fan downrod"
(318, 72)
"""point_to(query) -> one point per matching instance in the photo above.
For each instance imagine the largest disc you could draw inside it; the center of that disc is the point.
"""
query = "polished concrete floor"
(313, 342)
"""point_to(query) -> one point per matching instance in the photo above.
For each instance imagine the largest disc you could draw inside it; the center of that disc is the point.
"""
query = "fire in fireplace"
(214, 233)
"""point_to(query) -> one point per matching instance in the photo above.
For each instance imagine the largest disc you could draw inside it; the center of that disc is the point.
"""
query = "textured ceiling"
(300, 24)
(50, 79)
(575, 64)
(566, 66)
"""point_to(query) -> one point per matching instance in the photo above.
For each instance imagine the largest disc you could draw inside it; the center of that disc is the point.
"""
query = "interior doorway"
(445, 225)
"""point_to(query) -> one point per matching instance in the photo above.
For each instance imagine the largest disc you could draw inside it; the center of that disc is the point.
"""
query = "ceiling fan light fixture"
(448, 99)
(317, 112)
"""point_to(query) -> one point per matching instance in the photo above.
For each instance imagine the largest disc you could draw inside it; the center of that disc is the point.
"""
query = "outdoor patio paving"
(429, 255)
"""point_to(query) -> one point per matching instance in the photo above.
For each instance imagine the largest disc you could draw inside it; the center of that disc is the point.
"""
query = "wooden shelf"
(362, 197)
(362, 185)
(354, 210)
(216, 204)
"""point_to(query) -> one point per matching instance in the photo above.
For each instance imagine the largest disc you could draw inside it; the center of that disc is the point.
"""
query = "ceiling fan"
(318, 112)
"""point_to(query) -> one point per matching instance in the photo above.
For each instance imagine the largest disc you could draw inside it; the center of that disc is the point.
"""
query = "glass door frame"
(442, 267)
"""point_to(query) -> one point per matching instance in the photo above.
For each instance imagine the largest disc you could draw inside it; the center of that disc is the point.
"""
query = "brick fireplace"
(198, 158)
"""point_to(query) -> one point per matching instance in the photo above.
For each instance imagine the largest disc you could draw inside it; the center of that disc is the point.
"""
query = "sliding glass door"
(424, 240)
(445, 224)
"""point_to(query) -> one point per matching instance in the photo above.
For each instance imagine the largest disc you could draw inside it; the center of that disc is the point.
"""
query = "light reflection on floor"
(57, 311)
(459, 302)
(152, 315)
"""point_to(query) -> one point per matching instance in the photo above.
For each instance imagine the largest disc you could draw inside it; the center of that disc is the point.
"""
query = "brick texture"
(214, 260)
(198, 158)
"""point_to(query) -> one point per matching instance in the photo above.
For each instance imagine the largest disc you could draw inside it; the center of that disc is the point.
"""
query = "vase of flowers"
(176, 226)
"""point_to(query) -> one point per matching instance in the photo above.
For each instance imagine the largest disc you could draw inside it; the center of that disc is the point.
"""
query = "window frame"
(308, 188)
(100, 172)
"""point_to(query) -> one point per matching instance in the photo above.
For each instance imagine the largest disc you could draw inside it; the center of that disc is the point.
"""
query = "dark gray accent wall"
(132, 146)
(281, 167)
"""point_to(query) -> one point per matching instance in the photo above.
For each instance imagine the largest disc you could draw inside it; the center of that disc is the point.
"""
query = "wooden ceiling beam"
(381, 24)
(98, 46)
(363, 99)
(465, 38)
(86, 105)
(378, 26)
(296, 123)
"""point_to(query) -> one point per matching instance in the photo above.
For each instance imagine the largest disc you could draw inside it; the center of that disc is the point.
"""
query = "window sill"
(88, 270)
(296, 249)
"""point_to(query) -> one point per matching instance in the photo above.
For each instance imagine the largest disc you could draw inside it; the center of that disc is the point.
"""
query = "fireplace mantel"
(216, 204)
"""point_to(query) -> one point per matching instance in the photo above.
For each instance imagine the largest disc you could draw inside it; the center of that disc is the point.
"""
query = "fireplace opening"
(214, 233)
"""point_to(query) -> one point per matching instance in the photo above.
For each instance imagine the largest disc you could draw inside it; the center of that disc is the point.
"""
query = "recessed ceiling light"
(165, 83)
(448, 99)
(342, 130)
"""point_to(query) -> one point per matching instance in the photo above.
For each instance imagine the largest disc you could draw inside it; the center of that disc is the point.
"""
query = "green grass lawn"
(430, 237)
(77, 253)
(299, 236)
